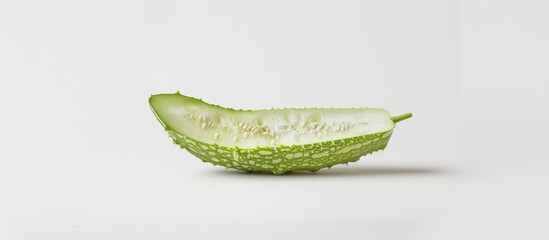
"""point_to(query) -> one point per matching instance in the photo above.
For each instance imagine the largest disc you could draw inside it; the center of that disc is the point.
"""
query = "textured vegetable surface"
(277, 140)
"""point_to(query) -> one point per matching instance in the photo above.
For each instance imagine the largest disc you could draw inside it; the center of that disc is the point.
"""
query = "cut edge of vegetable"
(167, 127)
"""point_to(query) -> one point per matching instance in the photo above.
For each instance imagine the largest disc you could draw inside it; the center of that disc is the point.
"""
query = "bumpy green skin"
(284, 159)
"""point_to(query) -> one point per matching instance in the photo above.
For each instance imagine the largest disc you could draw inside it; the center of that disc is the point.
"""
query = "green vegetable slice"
(277, 140)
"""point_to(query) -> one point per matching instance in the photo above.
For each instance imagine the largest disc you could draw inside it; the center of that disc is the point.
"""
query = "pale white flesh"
(250, 129)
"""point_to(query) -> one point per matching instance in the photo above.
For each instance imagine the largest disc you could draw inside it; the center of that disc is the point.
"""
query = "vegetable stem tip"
(401, 117)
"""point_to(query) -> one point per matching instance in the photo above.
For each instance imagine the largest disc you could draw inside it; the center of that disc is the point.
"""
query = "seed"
(245, 134)
(252, 134)
(216, 135)
(203, 125)
(318, 127)
(272, 142)
(234, 139)
(240, 124)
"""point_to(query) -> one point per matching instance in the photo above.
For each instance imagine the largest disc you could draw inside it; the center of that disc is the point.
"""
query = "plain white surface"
(504, 54)
(87, 160)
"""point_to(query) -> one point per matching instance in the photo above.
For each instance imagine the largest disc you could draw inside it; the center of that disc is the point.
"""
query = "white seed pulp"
(249, 129)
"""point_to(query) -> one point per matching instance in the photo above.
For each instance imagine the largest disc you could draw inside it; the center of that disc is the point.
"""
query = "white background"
(83, 157)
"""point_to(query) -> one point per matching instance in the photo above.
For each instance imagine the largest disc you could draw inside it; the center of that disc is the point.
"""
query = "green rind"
(283, 159)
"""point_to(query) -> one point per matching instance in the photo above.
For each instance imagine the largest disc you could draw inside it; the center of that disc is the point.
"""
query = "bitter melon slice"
(277, 140)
